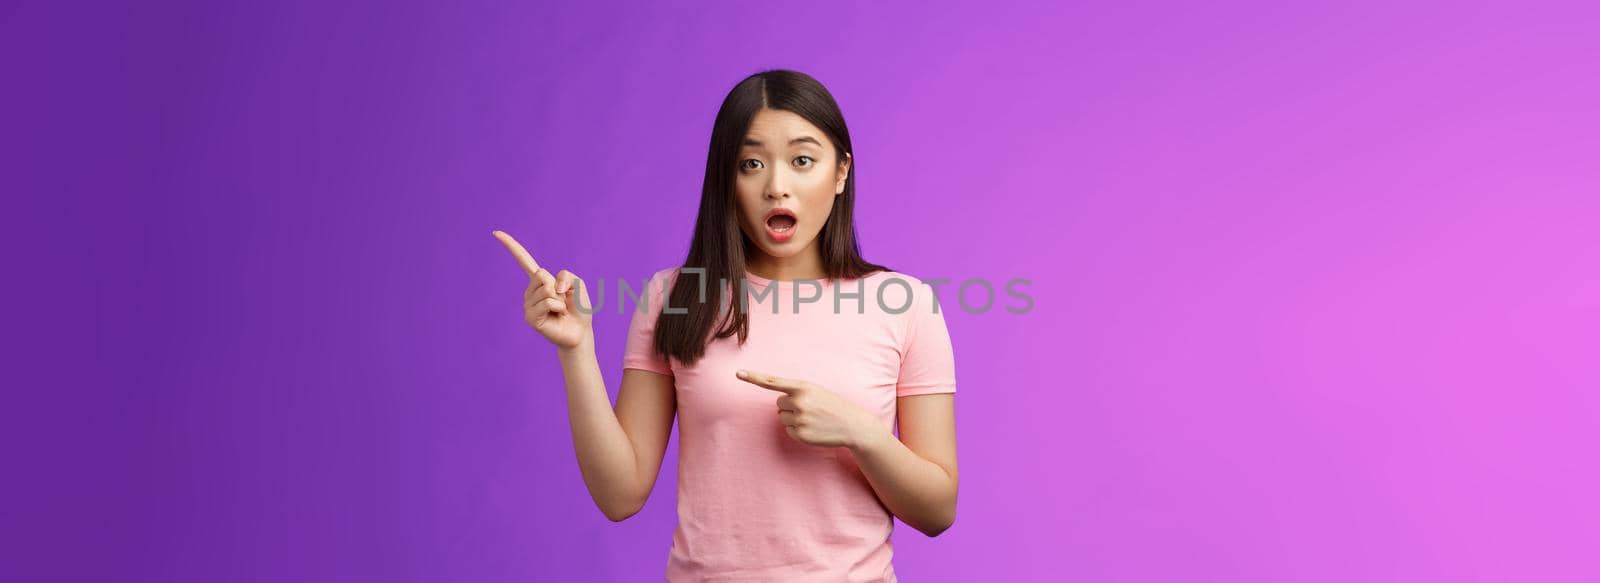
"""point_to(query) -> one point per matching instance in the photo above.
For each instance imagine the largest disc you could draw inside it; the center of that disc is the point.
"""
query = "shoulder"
(889, 274)
(663, 276)
(910, 302)
(899, 282)
(649, 291)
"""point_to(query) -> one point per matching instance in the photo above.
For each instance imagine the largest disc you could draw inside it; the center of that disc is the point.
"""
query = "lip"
(776, 235)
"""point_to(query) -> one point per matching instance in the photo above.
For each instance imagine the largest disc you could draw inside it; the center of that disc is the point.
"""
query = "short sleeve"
(639, 349)
(927, 362)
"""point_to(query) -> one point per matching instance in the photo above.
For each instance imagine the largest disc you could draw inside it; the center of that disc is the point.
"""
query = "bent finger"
(555, 304)
(564, 281)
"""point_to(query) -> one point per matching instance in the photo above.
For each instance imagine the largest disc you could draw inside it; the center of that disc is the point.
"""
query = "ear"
(844, 174)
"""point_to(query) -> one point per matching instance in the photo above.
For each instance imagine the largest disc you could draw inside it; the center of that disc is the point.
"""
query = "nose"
(778, 185)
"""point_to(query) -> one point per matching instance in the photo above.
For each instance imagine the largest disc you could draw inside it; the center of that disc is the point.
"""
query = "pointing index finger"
(766, 381)
(523, 258)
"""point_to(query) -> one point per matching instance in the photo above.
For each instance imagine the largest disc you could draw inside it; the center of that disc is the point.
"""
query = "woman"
(788, 466)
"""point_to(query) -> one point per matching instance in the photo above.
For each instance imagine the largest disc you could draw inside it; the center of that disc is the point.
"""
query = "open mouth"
(780, 224)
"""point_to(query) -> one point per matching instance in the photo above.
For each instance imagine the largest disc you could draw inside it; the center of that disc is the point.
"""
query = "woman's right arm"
(619, 450)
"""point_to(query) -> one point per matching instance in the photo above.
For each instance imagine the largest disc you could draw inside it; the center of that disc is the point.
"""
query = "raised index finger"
(528, 264)
(779, 384)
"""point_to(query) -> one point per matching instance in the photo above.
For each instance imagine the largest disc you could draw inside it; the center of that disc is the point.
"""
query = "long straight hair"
(720, 247)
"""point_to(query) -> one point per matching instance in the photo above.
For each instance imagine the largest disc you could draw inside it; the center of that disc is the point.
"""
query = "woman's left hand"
(817, 416)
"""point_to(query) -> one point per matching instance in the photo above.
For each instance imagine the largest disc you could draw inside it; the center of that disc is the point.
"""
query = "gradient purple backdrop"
(1317, 287)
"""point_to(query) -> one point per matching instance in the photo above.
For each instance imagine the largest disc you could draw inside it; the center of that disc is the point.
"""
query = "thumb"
(578, 295)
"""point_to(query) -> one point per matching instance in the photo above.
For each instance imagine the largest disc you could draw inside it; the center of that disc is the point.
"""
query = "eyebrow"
(757, 143)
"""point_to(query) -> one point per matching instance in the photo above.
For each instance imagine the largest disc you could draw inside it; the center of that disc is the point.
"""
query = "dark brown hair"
(720, 247)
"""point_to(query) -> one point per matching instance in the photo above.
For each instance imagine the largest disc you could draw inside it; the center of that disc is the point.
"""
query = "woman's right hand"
(551, 303)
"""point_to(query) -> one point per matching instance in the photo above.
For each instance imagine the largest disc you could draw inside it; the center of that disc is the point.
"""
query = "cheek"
(747, 210)
(817, 194)
(820, 207)
(745, 198)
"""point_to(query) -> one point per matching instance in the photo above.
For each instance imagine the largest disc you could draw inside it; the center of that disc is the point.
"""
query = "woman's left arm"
(915, 475)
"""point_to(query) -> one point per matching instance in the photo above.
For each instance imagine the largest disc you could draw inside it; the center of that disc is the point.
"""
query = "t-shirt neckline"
(763, 282)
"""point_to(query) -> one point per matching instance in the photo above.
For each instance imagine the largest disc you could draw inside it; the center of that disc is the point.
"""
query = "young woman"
(788, 465)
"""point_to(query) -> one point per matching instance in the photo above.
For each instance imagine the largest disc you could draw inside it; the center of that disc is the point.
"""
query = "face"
(786, 166)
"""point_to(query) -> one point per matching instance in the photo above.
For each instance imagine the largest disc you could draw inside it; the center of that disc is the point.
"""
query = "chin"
(784, 253)
(786, 249)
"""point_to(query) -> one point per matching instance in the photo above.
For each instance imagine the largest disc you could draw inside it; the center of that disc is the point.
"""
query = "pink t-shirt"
(754, 504)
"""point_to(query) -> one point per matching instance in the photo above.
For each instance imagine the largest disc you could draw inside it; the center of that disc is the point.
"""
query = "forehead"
(775, 127)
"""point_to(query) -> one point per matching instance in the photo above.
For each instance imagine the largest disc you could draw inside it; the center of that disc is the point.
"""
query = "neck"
(804, 265)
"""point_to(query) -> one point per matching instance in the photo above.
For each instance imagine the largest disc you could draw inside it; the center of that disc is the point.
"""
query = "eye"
(749, 164)
(810, 160)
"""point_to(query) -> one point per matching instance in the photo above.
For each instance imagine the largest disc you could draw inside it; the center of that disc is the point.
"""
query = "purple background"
(1317, 288)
